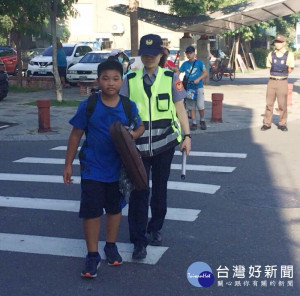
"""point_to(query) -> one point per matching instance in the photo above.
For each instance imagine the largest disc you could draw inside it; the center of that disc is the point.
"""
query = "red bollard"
(216, 109)
(290, 93)
(44, 116)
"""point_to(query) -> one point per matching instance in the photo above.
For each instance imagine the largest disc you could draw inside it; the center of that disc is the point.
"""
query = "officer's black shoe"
(265, 127)
(155, 238)
(283, 128)
(139, 252)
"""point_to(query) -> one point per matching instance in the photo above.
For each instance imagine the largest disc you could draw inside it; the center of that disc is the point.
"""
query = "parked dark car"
(9, 57)
(3, 81)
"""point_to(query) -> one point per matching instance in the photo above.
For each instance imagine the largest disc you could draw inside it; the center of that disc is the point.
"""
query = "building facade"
(96, 22)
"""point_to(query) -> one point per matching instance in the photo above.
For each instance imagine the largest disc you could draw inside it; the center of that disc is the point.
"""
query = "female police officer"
(159, 96)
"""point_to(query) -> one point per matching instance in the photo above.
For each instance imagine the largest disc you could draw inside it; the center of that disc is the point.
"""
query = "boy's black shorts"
(96, 196)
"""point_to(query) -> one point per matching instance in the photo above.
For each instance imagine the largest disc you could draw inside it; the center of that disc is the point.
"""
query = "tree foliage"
(27, 17)
(284, 25)
(196, 7)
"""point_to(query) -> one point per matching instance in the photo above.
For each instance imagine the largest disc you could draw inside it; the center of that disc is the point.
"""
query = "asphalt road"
(249, 216)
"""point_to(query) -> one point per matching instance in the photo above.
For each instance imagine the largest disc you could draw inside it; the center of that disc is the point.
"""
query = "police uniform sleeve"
(178, 91)
(269, 60)
(124, 90)
(290, 60)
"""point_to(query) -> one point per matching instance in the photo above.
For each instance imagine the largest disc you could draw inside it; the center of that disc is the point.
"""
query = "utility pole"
(134, 28)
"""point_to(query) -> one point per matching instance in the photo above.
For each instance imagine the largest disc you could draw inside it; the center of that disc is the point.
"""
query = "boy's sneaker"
(91, 266)
(112, 255)
(202, 125)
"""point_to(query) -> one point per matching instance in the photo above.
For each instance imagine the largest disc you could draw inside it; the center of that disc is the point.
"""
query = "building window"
(166, 42)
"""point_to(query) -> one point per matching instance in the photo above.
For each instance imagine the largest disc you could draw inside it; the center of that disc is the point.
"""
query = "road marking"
(69, 247)
(192, 153)
(190, 167)
(183, 186)
(178, 214)
(4, 126)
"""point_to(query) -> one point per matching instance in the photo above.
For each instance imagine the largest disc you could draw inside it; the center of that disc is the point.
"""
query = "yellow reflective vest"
(158, 113)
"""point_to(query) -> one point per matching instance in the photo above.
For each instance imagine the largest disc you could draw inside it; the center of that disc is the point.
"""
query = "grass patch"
(55, 103)
(68, 103)
(16, 89)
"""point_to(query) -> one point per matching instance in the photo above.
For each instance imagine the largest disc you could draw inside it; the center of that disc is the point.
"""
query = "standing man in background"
(62, 64)
(281, 62)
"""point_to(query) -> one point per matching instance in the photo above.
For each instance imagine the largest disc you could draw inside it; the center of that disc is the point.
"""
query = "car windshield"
(93, 57)
(68, 50)
(4, 52)
(93, 45)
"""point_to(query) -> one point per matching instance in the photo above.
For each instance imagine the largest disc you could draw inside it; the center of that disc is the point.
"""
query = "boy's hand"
(67, 174)
(134, 135)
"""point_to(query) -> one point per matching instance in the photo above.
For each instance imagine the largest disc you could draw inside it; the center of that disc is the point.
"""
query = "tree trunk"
(58, 87)
(17, 41)
(134, 32)
(247, 50)
(236, 52)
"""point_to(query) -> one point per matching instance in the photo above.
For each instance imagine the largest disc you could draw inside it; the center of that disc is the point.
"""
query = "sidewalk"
(243, 107)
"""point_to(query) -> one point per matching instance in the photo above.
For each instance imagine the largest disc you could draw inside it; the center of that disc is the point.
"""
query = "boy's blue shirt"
(102, 162)
(197, 71)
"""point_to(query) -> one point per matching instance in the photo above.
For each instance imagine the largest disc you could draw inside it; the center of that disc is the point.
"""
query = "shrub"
(297, 54)
(260, 56)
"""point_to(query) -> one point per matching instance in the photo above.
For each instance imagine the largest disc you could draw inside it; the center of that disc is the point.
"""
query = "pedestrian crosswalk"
(61, 246)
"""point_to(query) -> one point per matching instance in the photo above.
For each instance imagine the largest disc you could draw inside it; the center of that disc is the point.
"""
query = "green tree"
(58, 10)
(196, 7)
(27, 17)
(5, 27)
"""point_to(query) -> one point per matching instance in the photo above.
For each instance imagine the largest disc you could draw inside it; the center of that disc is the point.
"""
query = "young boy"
(195, 71)
(100, 165)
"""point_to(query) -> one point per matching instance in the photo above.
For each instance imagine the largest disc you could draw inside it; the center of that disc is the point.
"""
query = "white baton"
(183, 165)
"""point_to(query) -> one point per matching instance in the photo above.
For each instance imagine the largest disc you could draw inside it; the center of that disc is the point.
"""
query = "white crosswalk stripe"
(183, 186)
(192, 153)
(176, 214)
(76, 247)
(190, 167)
(69, 247)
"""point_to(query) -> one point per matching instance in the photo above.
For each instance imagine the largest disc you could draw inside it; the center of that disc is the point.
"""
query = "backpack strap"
(90, 108)
(127, 109)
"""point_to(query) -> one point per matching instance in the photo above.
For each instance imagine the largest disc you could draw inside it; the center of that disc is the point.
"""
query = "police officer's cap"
(151, 44)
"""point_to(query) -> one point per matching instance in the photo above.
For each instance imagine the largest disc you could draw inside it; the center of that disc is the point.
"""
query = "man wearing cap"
(159, 95)
(281, 63)
(195, 72)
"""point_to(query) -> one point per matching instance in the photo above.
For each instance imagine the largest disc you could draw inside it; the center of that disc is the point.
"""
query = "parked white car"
(86, 69)
(43, 65)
